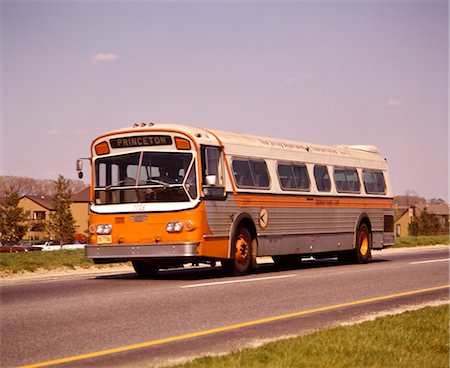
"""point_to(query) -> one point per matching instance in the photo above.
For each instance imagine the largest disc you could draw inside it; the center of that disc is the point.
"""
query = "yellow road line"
(226, 328)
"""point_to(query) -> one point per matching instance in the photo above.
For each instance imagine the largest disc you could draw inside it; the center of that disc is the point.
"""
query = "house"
(40, 207)
(403, 216)
(80, 213)
(441, 211)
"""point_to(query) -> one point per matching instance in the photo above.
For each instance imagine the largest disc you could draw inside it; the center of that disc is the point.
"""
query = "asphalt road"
(124, 320)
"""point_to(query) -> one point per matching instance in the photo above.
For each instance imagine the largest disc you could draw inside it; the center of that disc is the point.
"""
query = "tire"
(362, 251)
(241, 252)
(145, 269)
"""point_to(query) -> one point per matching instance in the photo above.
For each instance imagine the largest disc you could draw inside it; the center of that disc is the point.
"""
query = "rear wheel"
(363, 245)
(145, 269)
(242, 253)
(362, 251)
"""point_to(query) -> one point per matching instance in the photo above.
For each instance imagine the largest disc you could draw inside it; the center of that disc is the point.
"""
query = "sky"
(327, 72)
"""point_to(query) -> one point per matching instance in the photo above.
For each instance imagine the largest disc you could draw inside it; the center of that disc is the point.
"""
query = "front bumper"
(140, 251)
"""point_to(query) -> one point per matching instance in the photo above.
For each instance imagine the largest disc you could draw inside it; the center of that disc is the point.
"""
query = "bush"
(426, 224)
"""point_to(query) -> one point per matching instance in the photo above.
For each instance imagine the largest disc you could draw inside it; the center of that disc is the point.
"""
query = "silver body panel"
(300, 230)
(130, 251)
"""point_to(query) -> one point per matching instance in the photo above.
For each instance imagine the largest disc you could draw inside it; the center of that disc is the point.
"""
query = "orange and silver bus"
(164, 195)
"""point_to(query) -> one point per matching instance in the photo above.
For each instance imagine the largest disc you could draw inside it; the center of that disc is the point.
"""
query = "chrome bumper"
(131, 251)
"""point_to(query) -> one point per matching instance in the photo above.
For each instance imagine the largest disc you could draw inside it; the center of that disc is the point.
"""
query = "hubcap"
(242, 248)
(364, 247)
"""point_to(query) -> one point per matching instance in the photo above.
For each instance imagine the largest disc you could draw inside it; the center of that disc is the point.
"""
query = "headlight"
(174, 227)
(104, 229)
(190, 225)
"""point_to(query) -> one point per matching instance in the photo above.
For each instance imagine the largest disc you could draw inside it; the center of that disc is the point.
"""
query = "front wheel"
(145, 269)
(242, 253)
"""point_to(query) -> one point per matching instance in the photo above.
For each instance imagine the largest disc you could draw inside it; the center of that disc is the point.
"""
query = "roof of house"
(47, 202)
(400, 211)
(42, 201)
(438, 209)
(81, 196)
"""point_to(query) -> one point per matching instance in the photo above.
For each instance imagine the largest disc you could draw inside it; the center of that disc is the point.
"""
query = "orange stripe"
(292, 201)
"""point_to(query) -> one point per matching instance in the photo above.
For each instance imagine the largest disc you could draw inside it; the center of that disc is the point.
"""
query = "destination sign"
(141, 141)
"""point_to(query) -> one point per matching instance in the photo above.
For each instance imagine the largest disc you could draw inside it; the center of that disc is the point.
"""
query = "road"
(122, 321)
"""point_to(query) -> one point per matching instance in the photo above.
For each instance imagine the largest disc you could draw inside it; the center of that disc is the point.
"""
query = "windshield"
(145, 177)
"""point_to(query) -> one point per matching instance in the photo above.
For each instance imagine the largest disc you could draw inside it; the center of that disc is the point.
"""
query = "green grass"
(31, 261)
(414, 241)
(414, 339)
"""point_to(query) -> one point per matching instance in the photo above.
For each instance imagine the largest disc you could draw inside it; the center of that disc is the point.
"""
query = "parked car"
(18, 248)
(48, 246)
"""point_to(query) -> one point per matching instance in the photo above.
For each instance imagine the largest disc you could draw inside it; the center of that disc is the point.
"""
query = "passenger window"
(322, 178)
(250, 174)
(260, 175)
(212, 161)
(374, 182)
(293, 177)
(347, 180)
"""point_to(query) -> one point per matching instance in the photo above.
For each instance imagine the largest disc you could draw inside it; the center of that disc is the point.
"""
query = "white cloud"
(290, 80)
(81, 132)
(304, 77)
(393, 102)
(54, 132)
(104, 57)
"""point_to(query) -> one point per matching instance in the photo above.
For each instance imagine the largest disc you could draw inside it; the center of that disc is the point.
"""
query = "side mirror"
(80, 168)
(79, 164)
(211, 180)
(212, 190)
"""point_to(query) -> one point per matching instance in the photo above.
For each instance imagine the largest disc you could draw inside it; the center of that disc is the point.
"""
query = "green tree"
(62, 224)
(426, 224)
(12, 218)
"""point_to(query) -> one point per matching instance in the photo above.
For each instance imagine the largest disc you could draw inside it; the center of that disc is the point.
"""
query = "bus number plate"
(104, 239)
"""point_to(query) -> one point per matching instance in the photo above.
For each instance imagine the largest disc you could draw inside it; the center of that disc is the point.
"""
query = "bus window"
(260, 174)
(293, 176)
(250, 174)
(191, 183)
(212, 166)
(374, 182)
(347, 180)
(322, 178)
(242, 174)
(212, 161)
(114, 171)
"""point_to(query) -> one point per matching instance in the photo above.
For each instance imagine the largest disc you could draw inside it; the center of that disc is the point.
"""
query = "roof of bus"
(238, 143)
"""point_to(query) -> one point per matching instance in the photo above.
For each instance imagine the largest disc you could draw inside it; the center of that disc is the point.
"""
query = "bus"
(164, 195)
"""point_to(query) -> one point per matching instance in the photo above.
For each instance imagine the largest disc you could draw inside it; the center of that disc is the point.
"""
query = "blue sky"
(329, 72)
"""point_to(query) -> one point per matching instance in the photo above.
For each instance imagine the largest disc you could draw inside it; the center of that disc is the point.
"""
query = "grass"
(414, 339)
(31, 261)
(414, 241)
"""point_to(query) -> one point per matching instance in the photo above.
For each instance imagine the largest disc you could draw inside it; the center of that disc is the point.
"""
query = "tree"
(12, 218)
(62, 224)
(437, 201)
(30, 186)
(409, 199)
(426, 224)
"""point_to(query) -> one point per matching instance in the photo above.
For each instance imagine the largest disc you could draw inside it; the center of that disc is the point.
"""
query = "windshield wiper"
(160, 182)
